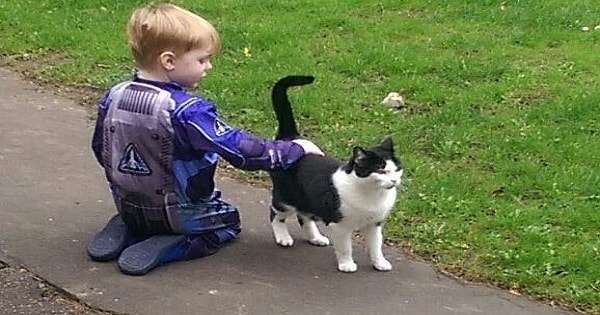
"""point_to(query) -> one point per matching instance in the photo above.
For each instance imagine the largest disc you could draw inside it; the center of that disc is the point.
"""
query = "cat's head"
(377, 165)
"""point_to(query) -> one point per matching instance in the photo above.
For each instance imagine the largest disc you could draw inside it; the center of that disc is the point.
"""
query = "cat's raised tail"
(282, 107)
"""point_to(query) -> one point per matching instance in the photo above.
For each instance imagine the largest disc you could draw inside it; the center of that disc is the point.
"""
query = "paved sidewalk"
(53, 199)
(24, 293)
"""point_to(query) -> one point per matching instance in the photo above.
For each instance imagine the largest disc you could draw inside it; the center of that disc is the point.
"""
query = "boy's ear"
(167, 60)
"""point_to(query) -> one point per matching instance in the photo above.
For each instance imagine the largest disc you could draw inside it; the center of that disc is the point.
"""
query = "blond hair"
(156, 28)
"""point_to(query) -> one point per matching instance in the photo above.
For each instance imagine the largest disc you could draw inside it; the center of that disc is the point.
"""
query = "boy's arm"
(206, 132)
(97, 139)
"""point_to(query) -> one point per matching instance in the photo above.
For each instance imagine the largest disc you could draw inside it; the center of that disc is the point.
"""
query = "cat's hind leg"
(311, 231)
(279, 214)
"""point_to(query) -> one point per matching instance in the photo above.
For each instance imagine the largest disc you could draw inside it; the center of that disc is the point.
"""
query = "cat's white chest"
(363, 205)
(363, 211)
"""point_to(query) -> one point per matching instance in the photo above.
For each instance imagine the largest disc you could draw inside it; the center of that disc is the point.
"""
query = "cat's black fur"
(308, 185)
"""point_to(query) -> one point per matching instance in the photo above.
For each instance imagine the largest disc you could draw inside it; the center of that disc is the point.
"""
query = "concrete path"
(53, 198)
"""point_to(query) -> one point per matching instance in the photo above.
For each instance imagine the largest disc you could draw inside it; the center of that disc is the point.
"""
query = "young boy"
(159, 146)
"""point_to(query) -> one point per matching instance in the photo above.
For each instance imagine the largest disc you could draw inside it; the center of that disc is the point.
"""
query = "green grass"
(500, 137)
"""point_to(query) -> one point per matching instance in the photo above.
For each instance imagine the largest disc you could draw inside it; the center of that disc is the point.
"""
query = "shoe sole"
(142, 257)
(110, 242)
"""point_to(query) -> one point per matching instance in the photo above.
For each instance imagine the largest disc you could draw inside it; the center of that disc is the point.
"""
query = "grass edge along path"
(499, 134)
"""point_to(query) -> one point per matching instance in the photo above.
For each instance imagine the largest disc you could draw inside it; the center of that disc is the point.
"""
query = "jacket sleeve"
(206, 132)
(97, 139)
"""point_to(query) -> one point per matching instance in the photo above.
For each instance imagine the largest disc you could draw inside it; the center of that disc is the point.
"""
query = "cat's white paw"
(349, 266)
(382, 265)
(319, 240)
(284, 240)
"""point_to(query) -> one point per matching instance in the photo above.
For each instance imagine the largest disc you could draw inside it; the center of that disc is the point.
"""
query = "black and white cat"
(357, 195)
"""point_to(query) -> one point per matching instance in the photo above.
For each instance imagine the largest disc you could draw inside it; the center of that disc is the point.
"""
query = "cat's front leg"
(375, 243)
(342, 243)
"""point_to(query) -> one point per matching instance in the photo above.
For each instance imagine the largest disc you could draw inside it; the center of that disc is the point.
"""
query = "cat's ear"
(359, 154)
(356, 152)
(387, 144)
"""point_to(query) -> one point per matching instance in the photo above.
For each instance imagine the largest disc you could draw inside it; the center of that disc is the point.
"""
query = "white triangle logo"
(221, 128)
(133, 163)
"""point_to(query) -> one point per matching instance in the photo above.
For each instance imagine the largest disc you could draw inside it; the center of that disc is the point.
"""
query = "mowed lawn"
(500, 133)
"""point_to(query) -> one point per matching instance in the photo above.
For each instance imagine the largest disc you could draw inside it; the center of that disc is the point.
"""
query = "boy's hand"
(309, 147)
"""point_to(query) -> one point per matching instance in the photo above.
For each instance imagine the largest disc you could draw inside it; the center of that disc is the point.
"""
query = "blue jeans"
(205, 216)
(207, 225)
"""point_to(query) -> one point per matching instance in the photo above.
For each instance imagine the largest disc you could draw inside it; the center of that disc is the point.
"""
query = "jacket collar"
(161, 84)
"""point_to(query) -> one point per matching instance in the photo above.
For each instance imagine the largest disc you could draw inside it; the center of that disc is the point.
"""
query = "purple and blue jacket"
(159, 146)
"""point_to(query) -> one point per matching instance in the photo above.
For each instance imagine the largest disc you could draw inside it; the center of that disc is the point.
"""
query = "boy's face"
(191, 67)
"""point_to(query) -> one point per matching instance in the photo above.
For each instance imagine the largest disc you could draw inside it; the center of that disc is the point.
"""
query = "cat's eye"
(381, 171)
